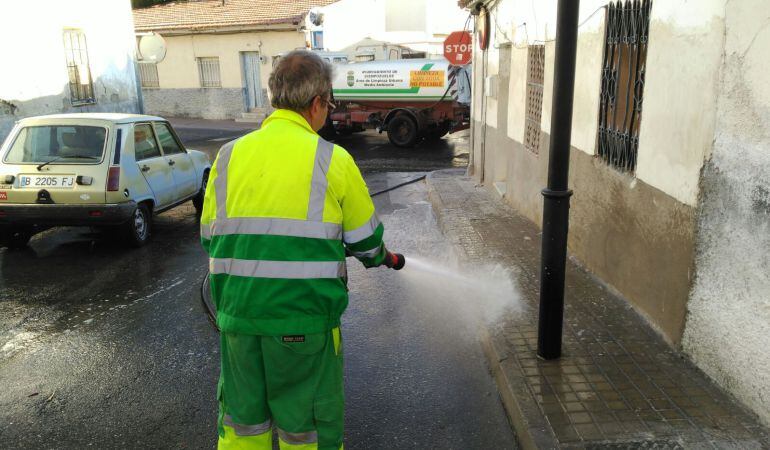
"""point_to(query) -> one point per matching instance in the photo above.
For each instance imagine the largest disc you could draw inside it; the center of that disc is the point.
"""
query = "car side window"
(167, 142)
(145, 145)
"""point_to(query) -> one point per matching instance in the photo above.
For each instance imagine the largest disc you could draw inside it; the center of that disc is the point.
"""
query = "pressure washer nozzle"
(395, 261)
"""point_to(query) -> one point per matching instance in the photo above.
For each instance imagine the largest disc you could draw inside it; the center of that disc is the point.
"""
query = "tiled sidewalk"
(617, 385)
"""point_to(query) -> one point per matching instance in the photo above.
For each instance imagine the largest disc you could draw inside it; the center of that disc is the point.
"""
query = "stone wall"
(204, 103)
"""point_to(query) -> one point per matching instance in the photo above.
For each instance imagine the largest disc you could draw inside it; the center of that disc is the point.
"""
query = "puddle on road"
(30, 331)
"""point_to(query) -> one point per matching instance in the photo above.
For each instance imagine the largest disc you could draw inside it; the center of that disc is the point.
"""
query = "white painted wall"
(524, 23)
(492, 81)
(728, 324)
(349, 21)
(179, 70)
(679, 106)
(34, 75)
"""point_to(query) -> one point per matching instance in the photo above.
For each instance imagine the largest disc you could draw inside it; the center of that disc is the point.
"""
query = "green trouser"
(291, 382)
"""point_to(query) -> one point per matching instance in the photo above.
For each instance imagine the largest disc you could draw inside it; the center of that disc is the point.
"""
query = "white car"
(94, 169)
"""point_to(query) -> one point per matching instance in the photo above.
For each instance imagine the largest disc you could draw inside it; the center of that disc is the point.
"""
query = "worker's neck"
(314, 120)
(307, 116)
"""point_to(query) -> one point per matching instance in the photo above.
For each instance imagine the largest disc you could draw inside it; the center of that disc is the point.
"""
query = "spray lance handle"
(394, 261)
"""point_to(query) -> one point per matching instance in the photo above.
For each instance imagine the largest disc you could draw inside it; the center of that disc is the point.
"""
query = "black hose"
(415, 180)
(208, 304)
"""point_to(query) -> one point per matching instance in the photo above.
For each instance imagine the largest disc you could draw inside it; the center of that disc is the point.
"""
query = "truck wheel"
(402, 131)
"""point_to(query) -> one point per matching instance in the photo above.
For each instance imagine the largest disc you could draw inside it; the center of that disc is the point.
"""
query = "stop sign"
(458, 48)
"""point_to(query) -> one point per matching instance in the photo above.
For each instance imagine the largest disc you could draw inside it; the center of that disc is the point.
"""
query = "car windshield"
(63, 143)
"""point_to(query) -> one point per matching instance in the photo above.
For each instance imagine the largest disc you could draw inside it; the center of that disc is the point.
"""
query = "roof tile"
(207, 14)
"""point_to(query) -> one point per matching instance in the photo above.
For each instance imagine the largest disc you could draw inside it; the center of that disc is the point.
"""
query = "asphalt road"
(107, 347)
(372, 151)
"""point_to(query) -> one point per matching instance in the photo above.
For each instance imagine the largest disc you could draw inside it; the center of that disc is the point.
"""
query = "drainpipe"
(138, 82)
(556, 194)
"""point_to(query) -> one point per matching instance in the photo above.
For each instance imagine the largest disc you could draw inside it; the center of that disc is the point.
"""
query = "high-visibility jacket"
(282, 205)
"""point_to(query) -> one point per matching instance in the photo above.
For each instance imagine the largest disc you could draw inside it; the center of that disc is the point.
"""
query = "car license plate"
(47, 181)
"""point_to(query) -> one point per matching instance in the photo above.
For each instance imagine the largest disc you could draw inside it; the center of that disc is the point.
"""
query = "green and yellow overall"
(282, 206)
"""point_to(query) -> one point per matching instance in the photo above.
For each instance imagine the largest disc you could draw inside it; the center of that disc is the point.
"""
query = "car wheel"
(17, 238)
(198, 199)
(139, 226)
(402, 131)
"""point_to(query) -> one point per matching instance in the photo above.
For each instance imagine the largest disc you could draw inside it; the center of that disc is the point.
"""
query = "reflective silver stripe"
(278, 269)
(319, 182)
(308, 437)
(274, 227)
(247, 430)
(220, 182)
(368, 254)
(362, 232)
(206, 230)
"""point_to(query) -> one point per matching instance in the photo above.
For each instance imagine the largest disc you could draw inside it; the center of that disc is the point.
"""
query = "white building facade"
(420, 25)
(669, 162)
(218, 55)
(65, 57)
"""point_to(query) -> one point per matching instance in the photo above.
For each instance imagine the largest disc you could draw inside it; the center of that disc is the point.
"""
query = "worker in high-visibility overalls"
(282, 208)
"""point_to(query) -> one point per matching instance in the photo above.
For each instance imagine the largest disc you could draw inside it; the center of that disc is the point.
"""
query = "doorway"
(252, 87)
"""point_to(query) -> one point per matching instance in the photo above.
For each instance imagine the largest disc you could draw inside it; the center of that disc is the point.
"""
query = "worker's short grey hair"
(298, 78)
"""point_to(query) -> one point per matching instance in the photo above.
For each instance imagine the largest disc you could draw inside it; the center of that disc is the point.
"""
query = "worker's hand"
(394, 261)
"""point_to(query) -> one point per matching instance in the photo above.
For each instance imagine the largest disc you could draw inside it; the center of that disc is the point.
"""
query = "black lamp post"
(557, 194)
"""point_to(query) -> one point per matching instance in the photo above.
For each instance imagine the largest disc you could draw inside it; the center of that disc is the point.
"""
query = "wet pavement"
(107, 347)
(617, 385)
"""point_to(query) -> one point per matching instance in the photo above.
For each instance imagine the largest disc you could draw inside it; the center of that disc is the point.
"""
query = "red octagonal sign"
(458, 48)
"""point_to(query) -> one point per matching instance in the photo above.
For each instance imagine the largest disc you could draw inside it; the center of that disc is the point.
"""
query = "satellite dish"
(316, 16)
(152, 48)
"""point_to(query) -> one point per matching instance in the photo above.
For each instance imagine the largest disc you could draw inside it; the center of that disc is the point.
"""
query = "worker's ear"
(318, 105)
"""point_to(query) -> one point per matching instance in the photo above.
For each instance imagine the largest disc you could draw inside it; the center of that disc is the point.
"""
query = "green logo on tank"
(351, 78)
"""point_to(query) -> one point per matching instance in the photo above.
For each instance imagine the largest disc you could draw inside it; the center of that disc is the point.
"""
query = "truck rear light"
(113, 179)
(95, 213)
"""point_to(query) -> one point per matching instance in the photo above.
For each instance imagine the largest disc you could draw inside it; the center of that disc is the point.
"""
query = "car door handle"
(171, 162)
(145, 168)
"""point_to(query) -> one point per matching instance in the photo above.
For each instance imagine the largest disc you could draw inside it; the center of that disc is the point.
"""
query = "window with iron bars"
(78, 69)
(535, 77)
(208, 72)
(148, 72)
(625, 56)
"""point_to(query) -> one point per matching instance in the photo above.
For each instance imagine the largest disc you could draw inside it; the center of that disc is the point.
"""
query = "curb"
(530, 426)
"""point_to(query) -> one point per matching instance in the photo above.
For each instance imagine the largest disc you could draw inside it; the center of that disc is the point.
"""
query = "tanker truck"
(410, 99)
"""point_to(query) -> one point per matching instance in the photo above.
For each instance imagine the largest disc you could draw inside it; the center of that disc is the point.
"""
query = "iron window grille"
(535, 77)
(78, 68)
(625, 56)
(148, 72)
(208, 72)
